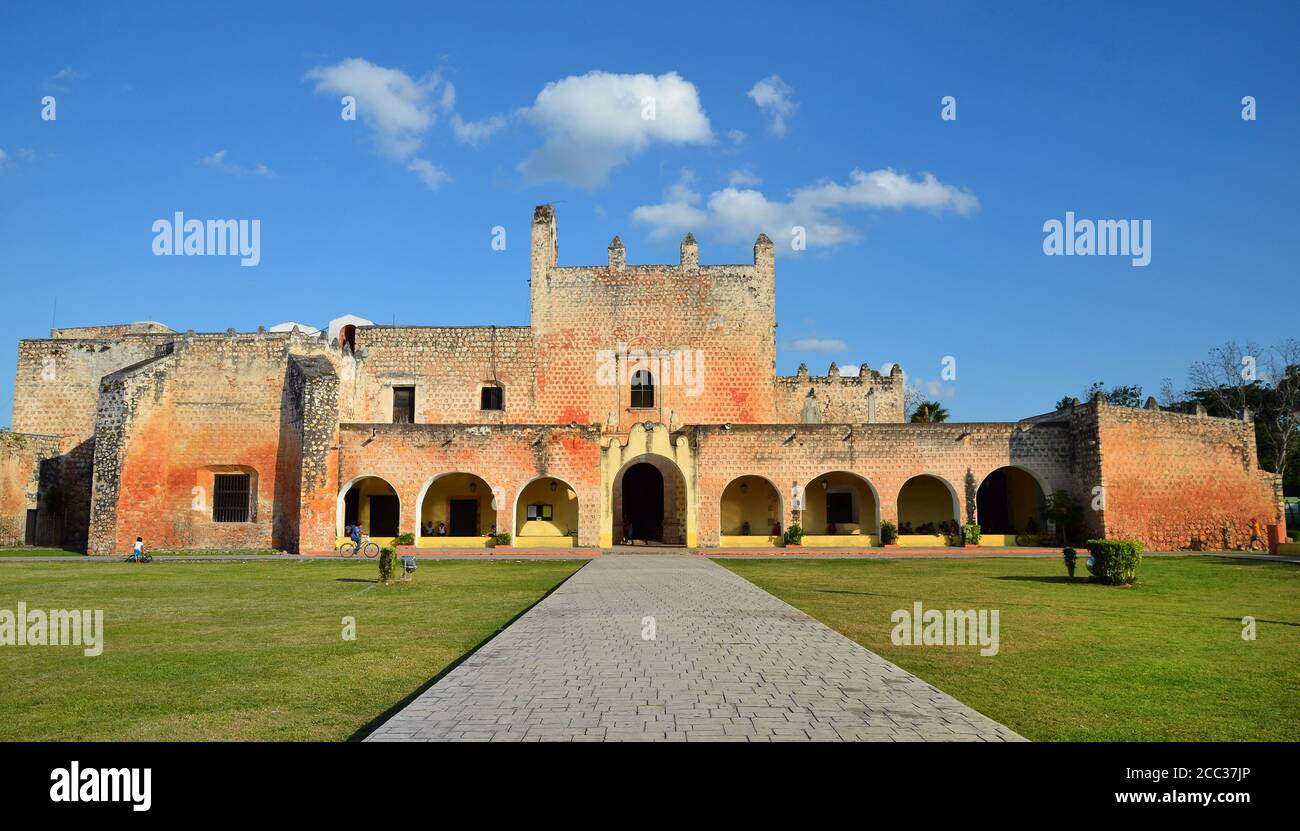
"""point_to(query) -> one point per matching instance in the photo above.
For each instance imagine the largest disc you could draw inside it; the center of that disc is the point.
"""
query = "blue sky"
(1112, 111)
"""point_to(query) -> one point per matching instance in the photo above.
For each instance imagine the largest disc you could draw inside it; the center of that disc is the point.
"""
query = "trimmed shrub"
(405, 539)
(387, 557)
(888, 533)
(794, 535)
(1114, 562)
(971, 533)
(1071, 557)
(503, 538)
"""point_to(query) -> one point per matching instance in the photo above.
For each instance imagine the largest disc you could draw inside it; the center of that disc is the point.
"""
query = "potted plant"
(971, 533)
(794, 536)
(1071, 557)
(405, 539)
(888, 534)
(501, 540)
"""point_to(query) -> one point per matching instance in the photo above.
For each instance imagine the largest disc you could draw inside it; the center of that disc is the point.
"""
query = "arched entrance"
(750, 512)
(546, 514)
(1009, 503)
(457, 510)
(372, 503)
(840, 509)
(649, 499)
(927, 507)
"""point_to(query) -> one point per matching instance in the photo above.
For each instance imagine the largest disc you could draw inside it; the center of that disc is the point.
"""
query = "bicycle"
(366, 547)
(143, 558)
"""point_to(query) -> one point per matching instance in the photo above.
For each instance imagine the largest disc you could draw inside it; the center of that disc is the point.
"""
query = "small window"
(230, 497)
(839, 508)
(492, 397)
(543, 512)
(643, 390)
(403, 405)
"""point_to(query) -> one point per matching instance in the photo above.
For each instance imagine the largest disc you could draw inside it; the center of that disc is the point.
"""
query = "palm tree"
(929, 412)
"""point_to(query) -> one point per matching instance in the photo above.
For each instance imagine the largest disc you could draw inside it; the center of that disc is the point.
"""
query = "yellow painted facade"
(555, 532)
(616, 454)
(865, 507)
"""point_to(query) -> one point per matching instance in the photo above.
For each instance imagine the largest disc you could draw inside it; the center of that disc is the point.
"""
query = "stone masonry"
(125, 430)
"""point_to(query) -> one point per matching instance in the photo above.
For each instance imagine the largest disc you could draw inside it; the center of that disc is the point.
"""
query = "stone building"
(642, 402)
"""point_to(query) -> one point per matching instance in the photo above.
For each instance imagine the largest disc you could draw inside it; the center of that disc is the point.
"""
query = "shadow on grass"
(374, 724)
(1057, 579)
(1262, 620)
(355, 580)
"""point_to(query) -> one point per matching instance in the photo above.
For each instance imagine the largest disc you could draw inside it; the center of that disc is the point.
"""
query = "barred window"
(230, 497)
(403, 405)
(643, 390)
(492, 397)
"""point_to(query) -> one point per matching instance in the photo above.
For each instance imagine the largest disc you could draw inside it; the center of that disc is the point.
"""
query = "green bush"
(794, 534)
(1114, 562)
(1071, 557)
(502, 538)
(971, 533)
(405, 539)
(387, 557)
(888, 533)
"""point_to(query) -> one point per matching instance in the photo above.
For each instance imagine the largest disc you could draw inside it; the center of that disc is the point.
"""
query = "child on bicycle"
(356, 535)
(138, 551)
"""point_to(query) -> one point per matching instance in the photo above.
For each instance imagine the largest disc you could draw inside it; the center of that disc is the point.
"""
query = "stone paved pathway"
(730, 662)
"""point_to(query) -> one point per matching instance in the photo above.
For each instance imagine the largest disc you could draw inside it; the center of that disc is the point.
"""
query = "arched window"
(643, 390)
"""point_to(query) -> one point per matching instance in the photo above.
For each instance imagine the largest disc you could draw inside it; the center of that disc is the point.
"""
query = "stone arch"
(927, 499)
(444, 499)
(366, 486)
(1009, 501)
(655, 440)
(560, 530)
(824, 516)
(658, 513)
(751, 511)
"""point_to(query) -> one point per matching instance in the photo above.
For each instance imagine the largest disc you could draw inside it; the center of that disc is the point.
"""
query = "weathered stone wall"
(28, 475)
(56, 391)
(1180, 481)
(885, 455)
(867, 398)
(410, 456)
(216, 404)
(447, 365)
(724, 313)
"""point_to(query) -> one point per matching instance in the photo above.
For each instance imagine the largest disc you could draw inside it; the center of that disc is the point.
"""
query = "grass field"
(39, 552)
(1163, 660)
(248, 650)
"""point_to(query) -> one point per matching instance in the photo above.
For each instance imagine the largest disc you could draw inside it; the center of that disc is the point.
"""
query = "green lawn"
(1164, 660)
(39, 552)
(248, 650)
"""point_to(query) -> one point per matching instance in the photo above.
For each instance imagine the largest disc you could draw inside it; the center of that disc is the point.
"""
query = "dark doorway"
(383, 515)
(464, 518)
(29, 535)
(352, 507)
(643, 503)
(993, 504)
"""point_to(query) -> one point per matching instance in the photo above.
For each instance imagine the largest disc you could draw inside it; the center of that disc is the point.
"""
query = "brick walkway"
(730, 663)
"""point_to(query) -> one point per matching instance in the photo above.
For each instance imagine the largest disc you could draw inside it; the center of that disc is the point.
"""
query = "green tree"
(929, 412)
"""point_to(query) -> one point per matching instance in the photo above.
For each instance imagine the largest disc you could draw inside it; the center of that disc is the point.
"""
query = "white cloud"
(397, 108)
(3, 157)
(849, 371)
(429, 173)
(819, 345)
(776, 99)
(62, 80)
(218, 161)
(737, 137)
(597, 121)
(473, 132)
(743, 178)
(741, 213)
(678, 213)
